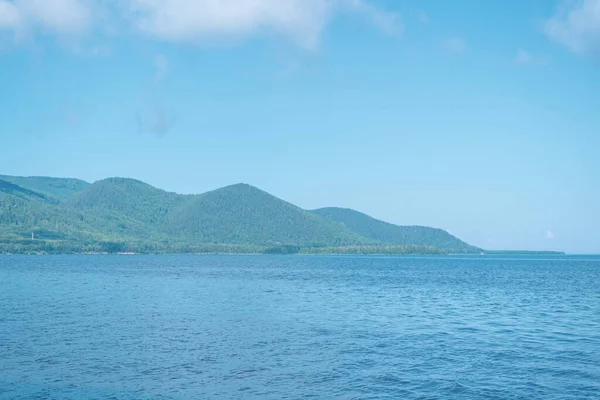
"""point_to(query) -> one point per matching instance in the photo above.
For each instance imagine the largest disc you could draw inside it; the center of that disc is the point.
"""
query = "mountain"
(119, 214)
(238, 214)
(243, 214)
(24, 211)
(19, 191)
(126, 202)
(385, 232)
(59, 188)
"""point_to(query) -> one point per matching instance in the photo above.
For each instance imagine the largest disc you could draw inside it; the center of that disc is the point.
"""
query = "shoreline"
(300, 254)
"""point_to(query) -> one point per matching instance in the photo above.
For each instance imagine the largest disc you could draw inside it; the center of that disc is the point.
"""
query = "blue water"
(260, 327)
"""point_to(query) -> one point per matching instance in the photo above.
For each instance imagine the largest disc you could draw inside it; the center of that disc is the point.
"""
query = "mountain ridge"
(127, 214)
(59, 188)
(386, 232)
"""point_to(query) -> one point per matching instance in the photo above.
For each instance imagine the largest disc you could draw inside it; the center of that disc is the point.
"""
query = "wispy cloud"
(56, 16)
(300, 20)
(386, 21)
(550, 235)
(157, 121)
(577, 26)
(454, 45)
(162, 66)
(525, 58)
(10, 16)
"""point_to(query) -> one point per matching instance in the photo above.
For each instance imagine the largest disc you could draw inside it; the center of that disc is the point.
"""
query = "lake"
(275, 327)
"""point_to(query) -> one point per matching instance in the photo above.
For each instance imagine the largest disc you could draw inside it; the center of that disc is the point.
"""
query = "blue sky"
(482, 118)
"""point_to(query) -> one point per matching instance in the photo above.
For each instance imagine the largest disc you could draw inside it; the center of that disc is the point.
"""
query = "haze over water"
(260, 327)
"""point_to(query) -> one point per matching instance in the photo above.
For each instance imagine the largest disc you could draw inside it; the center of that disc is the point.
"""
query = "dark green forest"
(118, 215)
(383, 232)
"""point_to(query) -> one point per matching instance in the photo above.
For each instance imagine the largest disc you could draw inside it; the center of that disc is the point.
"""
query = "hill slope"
(59, 188)
(243, 214)
(9, 188)
(385, 232)
(24, 211)
(128, 197)
(124, 214)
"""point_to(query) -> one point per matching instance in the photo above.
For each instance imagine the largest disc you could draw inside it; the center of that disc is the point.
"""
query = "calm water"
(258, 327)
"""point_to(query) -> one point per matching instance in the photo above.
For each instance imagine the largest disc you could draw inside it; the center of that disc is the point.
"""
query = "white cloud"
(10, 17)
(58, 16)
(577, 26)
(182, 20)
(423, 17)
(525, 58)
(67, 16)
(388, 22)
(550, 235)
(455, 45)
(300, 20)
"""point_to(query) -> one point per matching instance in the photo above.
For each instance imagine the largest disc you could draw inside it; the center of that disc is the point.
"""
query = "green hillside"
(243, 214)
(21, 192)
(128, 197)
(59, 188)
(384, 232)
(23, 212)
(118, 214)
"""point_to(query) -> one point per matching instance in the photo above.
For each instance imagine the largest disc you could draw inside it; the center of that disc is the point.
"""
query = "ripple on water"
(180, 327)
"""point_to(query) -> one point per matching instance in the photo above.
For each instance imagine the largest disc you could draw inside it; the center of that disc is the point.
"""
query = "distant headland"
(126, 216)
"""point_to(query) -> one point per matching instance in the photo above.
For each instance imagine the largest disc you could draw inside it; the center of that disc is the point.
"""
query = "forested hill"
(126, 215)
(381, 231)
(60, 188)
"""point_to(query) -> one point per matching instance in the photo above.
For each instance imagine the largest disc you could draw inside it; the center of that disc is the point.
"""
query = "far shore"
(496, 253)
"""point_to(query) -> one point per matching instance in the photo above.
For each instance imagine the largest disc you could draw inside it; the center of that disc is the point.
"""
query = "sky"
(478, 117)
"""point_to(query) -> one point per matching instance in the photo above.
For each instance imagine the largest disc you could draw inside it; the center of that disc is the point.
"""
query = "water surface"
(274, 327)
